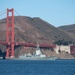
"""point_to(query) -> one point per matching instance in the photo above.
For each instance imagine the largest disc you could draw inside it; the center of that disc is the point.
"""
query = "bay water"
(37, 67)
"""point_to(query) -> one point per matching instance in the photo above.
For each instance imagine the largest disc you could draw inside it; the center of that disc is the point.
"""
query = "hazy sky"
(55, 12)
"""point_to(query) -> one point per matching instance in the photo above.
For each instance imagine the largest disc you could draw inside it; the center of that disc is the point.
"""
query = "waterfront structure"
(62, 48)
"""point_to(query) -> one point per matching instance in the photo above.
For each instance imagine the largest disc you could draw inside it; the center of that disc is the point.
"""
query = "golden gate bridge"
(9, 39)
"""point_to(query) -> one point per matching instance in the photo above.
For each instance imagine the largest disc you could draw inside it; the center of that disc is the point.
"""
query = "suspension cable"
(2, 11)
(17, 13)
(2, 14)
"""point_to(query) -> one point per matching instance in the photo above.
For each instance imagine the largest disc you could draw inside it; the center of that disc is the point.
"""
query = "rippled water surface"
(37, 67)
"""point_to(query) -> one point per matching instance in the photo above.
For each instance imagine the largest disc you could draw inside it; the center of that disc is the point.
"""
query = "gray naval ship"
(37, 55)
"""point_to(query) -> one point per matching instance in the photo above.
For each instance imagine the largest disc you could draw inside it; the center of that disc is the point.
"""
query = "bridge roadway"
(28, 44)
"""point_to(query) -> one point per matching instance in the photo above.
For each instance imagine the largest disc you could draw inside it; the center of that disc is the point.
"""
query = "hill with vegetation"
(33, 30)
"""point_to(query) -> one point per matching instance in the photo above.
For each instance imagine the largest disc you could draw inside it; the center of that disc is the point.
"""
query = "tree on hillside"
(63, 42)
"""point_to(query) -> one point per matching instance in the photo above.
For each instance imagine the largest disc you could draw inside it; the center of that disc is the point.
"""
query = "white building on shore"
(62, 48)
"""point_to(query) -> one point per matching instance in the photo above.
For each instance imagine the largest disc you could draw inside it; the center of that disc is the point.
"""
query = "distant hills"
(29, 29)
(70, 29)
(35, 30)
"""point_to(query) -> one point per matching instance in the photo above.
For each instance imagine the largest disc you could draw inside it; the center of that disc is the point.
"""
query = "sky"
(55, 12)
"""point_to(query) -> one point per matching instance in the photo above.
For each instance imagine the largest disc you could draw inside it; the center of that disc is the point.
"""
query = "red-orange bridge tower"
(10, 33)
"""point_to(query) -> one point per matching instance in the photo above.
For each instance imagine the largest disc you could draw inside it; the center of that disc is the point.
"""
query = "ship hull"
(35, 58)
